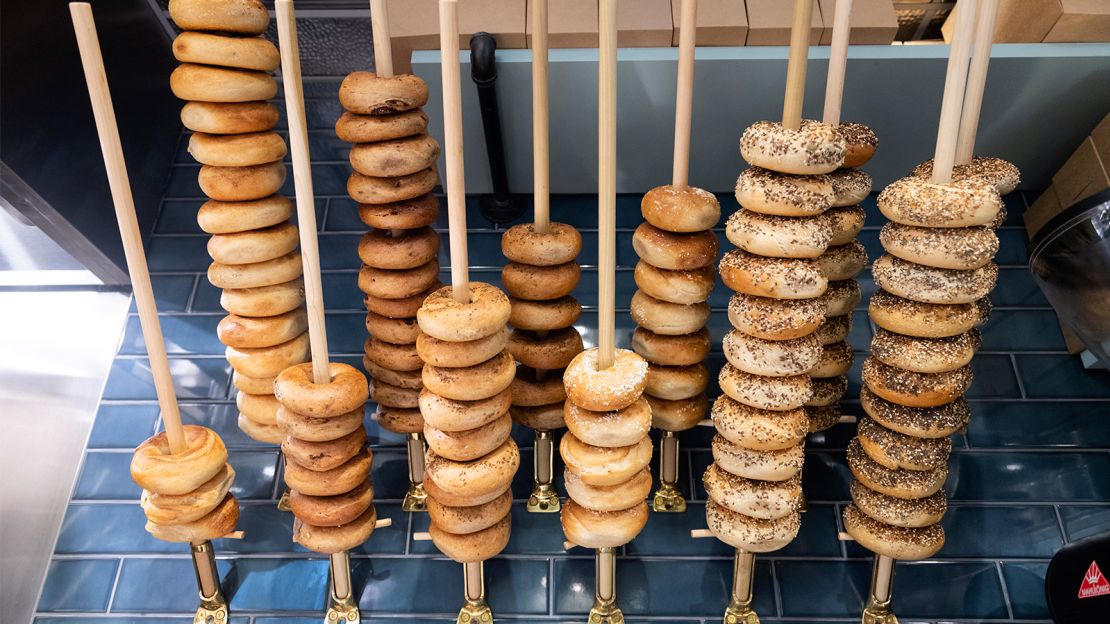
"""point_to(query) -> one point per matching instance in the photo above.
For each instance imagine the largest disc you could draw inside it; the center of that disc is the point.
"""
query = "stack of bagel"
(606, 449)
(541, 273)
(225, 77)
(471, 458)
(674, 277)
(781, 271)
(327, 461)
(186, 496)
(933, 284)
(393, 161)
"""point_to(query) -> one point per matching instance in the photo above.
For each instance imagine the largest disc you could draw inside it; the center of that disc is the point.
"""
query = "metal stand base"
(213, 606)
(416, 499)
(342, 611)
(739, 609)
(544, 499)
(878, 610)
(283, 502)
(668, 500)
(740, 614)
(212, 610)
(342, 604)
(603, 613)
(875, 613)
(475, 612)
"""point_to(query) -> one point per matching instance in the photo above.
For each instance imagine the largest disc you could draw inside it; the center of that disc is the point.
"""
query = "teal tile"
(1040, 424)
(277, 585)
(255, 472)
(993, 378)
(1031, 532)
(178, 254)
(127, 620)
(668, 534)
(841, 585)
(171, 292)
(199, 378)
(1023, 330)
(223, 418)
(343, 216)
(78, 585)
(339, 251)
(1017, 288)
(1061, 376)
(389, 586)
(179, 216)
(1082, 521)
(1025, 585)
(109, 528)
(106, 476)
(1013, 247)
(122, 426)
(183, 335)
(535, 533)
(1029, 476)
(347, 332)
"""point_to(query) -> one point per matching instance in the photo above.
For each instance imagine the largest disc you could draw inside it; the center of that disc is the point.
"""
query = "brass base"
(668, 500)
(544, 499)
(606, 613)
(475, 612)
(875, 613)
(740, 614)
(416, 499)
(283, 502)
(342, 611)
(212, 610)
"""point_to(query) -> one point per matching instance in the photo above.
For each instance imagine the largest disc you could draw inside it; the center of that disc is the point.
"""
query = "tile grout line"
(115, 586)
(1005, 590)
(1017, 376)
(1060, 524)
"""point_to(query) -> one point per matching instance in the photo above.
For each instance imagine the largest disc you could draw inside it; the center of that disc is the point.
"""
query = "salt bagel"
(451, 415)
(323, 455)
(1004, 176)
(474, 482)
(399, 419)
(899, 451)
(392, 330)
(267, 331)
(841, 297)
(768, 393)
(925, 320)
(464, 520)
(758, 429)
(241, 183)
(267, 434)
(252, 385)
(604, 465)
(318, 429)
(917, 201)
(397, 283)
(943, 248)
(218, 217)
(828, 391)
(822, 417)
(778, 237)
(471, 383)
(676, 382)
(770, 193)
(775, 319)
(346, 391)
(677, 414)
(389, 395)
(834, 329)
(208, 83)
(905, 543)
(923, 422)
(406, 214)
(771, 358)
(381, 190)
(404, 307)
(776, 465)
(602, 529)
(813, 147)
(845, 223)
(551, 351)
(931, 285)
(523, 243)
(469, 444)
(897, 482)
(339, 480)
(398, 357)
(531, 390)
(354, 128)
(613, 429)
(681, 350)
(860, 143)
(396, 157)
(668, 319)
(780, 278)
(254, 246)
(329, 511)
(915, 389)
(900, 512)
(218, 523)
(678, 287)
(259, 408)
(763, 500)
(842, 262)
(608, 497)
(924, 355)
(539, 417)
(236, 150)
(182, 508)
(366, 93)
(836, 359)
(751, 534)
(154, 467)
(334, 539)
(540, 283)
(443, 317)
(461, 354)
(247, 17)
(544, 315)
(674, 251)
(606, 390)
(405, 249)
(268, 361)
(473, 547)
(229, 117)
(680, 209)
(850, 187)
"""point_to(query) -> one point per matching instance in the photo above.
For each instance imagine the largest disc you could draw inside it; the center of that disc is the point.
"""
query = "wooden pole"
(796, 67)
(541, 154)
(684, 94)
(838, 61)
(453, 147)
(302, 184)
(103, 112)
(607, 183)
(383, 51)
(955, 83)
(976, 81)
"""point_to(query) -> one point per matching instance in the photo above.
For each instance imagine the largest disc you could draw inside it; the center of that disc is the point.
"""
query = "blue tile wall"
(1035, 460)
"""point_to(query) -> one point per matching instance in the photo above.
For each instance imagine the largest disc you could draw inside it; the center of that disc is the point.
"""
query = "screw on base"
(668, 500)
(283, 502)
(605, 613)
(544, 499)
(212, 610)
(740, 614)
(878, 614)
(475, 612)
(343, 611)
(416, 499)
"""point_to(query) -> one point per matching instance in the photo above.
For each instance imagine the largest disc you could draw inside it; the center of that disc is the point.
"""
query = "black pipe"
(500, 208)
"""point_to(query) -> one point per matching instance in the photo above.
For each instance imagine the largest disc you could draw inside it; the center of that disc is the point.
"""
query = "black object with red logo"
(1076, 585)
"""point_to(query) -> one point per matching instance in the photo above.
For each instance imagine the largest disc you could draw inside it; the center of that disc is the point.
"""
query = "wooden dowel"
(976, 81)
(103, 112)
(838, 62)
(844, 537)
(955, 83)
(684, 94)
(705, 422)
(453, 147)
(607, 183)
(421, 536)
(302, 185)
(379, 25)
(383, 523)
(541, 151)
(700, 533)
(567, 545)
(796, 66)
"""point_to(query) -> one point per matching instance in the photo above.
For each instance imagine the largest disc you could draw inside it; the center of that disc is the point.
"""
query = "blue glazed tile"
(391, 474)
(818, 535)
(346, 332)
(363, 620)
(993, 378)
(860, 335)
(825, 476)
(1025, 585)
(78, 585)
(207, 378)
(158, 585)
(949, 590)
(223, 418)
(179, 216)
(277, 584)
(192, 335)
(1017, 288)
(668, 534)
(254, 473)
(207, 297)
(517, 586)
(1058, 376)
(109, 528)
(343, 216)
(1082, 521)
(106, 476)
(1029, 476)
(339, 251)
(388, 540)
(535, 533)
(841, 585)
(122, 426)
(1015, 424)
(1013, 247)
(870, 240)
(265, 528)
(183, 182)
(1031, 532)
(341, 291)
(178, 254)
(1023, 330)
(835, 438)
(171, 292)
(127, 620)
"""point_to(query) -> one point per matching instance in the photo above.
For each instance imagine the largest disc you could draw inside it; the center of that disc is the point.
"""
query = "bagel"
(677, 414)
(381, 190)
(775, 319)
(678, 287)
(268, 361)
(668, 319)
(404, 307)
(680, 209)
(758, 429)
(267, 331)
(845, 223)
(767, 192)
(1004, 176)
(267, 434)
(339, 480)
(780, 278)
(252, 385)
(397, 357)
(259, 408)
(241, 183)
(602, 529)
(396, 157)
(236, 150)
(898, 451)
(842, 262)
(530, 390)
(604, 465)
(608, 497)
(463, 520)
(471, 383)
(860, 143)
(915, 389)
(317, 429)
(254, 246)
(676, 382)
(922, 422)
(443, 317)
(899, 483)
(407, 249)
(208, 83)
(354, 128)
(218, 523)
(451, 415)
(674, 251)
(772, 358)
(932, 285)
(389, 395)
(407, 214)
(472, 482)
(247, 17)
(552, 351)
(613, 429)
(907, 544)
(270, 300)
(751, 534)
(397, 283)
(323, 455)
(217, 217)
(778, 237)
(470, 444)
(900, 512)
(762, 500)
(850, 187)
(392, 330)
(540, 283)
(836, 359)
(544, 315)
(834, 329)
(331, 511)
(155, 468)
(812, 148)
(828, 391)
(366, 93)
(297, 390)
(917, 201)
(606, 390)
(473, 547)
(399, 420)
(776, 465)
(524, 244)
(683, 350)
(923, 320)
(446, 354)
(331, 540)
(924, 355)
(942, 248)
(841, 297)
(181, 508)
(767, 393)
(539, 417)
(229, 117)
(822, 417)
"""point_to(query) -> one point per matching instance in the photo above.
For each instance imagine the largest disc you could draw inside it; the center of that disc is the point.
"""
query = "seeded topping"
(814, 143)
(752, 427)
(928, 538)
(834, 329)
(846, 222)
(946, 248)
(924, 354)
(1000, 173)
(764, 499)
(790, 237)
(933, 285)
(850, 186)
(842, 262)
(984, 307)
(765, 276)
(835, 361)
(771, 357)
(772, 393)
(771, 318)
(908, 452)
(822, 417)
(925, 319)
(857, 134)
(828, 391)
(737, 460)
(907, 383)
(923, 422)
(768, 191)
(841, 297)
(898, 511)
(897, 482)
(964, 203)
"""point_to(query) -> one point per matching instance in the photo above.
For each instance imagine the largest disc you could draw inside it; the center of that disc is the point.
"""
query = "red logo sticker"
(1094, 583)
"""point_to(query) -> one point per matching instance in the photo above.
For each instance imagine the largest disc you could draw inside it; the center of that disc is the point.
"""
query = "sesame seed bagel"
(751, 534)
(1003, 175)
(835, 360)
(764, 500)
(217, 217)
(681, 350)
(827, 391)
(850, 187)
(471, 383)
(247, 17)
(685, 209)
(406, 214)
(813, 148)
(943, 248)
(236, 150)
(907, 544)
(768, 393)
(668, 319)
(679, 287)
(229, 117)
(602, 529)
(899, 451)
(758, 429)
(767, 192)
(675, 251)
(834, 329)
(777, 465)
(354, 128)
(778, 237)
(396, 157)
(608, 497)
(922, 422)
(771, 358)
(460, 354)
(860, 142)
(443, 317)
(925, 355)
(208, 83)
(916, 201)
(606, 390)
(925, 320)
(406, 249)
(822, 417)
(525, 244)
(775, 319)
(551, 351)
(366, 93)
(842, 262)
(896, 482)
(451, 415)
(845, 223)
(915, 389)
(613, 429)
(387, 190)
(604, 465)
(780, 278)
(544, 315)
(910, 513)
(932, 285)
(841, 297)
(677, 414)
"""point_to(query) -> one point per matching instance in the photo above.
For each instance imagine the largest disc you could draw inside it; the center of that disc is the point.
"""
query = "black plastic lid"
(1076, 585)
(1063, 218)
